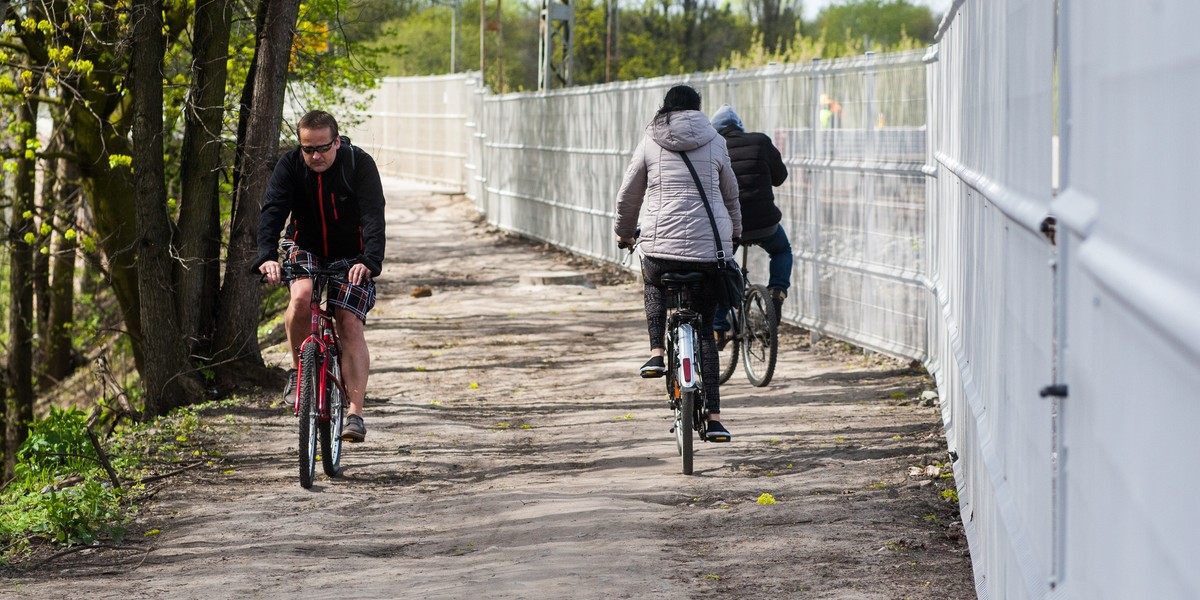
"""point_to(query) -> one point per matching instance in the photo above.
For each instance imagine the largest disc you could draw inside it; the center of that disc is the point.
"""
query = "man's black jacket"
(336, 214)
(758, 167)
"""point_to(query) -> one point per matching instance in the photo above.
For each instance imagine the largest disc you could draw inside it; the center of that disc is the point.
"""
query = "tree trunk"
(165, 370)
(19, 403)
(198, 273)
(237, 333)
(47, 203)
(110, 193)
(58, 359)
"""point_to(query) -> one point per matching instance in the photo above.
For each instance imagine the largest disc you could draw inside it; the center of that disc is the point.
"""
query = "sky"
(812, 7)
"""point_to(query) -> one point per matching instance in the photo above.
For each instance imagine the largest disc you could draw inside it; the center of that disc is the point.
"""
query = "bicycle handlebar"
(290, 272)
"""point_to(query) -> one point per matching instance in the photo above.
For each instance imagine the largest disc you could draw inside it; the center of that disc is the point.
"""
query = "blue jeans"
(780, 250)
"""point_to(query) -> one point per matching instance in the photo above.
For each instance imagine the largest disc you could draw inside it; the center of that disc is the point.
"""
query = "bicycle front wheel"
(331, 430)
(728, 354)
(760, 341)
(308, 415)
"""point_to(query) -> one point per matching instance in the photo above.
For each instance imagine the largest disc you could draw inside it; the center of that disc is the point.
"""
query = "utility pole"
(482, 32)
(499, 47)
(557, 29)
(612, 19)
(455, 16)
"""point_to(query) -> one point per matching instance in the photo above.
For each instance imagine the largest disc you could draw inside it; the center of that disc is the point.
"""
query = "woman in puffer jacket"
(676, 234)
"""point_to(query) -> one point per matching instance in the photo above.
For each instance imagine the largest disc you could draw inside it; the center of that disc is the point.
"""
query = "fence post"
(814, 202)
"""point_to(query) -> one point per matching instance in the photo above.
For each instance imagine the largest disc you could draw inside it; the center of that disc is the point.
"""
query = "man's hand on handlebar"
(271, 270)
(358, 274)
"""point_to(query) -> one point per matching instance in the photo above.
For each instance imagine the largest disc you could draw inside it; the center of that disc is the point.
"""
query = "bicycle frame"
(324, 335)
(320, 393)
(753, 333)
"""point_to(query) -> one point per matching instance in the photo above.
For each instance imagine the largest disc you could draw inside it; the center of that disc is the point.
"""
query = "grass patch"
(63, 495)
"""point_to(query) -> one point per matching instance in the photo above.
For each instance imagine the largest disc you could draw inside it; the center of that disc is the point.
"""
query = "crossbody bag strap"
(707, 208)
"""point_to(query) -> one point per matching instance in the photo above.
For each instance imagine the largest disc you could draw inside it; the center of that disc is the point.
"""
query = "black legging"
(703, 301)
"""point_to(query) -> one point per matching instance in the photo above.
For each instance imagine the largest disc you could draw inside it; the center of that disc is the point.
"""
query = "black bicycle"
(753, 334)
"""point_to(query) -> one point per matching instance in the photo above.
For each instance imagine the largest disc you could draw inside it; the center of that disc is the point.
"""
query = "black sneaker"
(354, 430)
(289, 390)
(655, 367)
(777, 298)
(722, 339)
(716, 432)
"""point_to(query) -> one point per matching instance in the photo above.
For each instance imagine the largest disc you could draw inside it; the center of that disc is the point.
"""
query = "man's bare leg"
(355, 358)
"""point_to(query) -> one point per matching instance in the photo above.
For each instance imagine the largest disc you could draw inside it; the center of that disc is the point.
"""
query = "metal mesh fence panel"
(851, 132)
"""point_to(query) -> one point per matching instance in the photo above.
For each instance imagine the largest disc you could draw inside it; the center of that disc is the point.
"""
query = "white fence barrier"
(934, 239)
(991, 319)
(1130, 472)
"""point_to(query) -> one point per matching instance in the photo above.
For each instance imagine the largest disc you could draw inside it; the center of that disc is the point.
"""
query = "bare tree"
(18, 413)
(198, 271)
(237, 329)
(779, 20)
(165, 364)
(58, 362)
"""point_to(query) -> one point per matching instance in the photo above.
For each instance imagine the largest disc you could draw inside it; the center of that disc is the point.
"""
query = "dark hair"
(318, 119)
(680, 97)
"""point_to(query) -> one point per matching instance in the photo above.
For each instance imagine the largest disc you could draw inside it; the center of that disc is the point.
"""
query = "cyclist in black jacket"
(759, 168)
(330, 196)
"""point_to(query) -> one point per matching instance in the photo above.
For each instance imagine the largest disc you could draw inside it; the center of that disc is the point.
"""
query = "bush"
(58, 454)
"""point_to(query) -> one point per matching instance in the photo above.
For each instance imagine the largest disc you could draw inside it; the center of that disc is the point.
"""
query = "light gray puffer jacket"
(675, 225)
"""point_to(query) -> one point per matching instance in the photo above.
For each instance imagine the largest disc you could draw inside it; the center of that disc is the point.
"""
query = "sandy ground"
(513, 452)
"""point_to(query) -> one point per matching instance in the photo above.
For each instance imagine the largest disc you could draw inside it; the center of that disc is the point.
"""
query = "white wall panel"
(1132, 360)
(990, 269)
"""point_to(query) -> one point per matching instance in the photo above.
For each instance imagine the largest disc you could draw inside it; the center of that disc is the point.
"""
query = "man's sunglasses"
(317, 149)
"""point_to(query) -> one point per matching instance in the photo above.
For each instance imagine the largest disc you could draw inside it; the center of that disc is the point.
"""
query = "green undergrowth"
(62, 495)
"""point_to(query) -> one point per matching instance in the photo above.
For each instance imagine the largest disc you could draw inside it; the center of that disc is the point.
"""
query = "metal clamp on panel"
(1058, 390)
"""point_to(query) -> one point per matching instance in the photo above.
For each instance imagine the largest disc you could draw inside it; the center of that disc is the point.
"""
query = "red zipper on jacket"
(321, 206)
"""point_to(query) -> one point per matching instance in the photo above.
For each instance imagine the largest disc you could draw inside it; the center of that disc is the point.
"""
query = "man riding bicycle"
(759, 167)
(334, 197)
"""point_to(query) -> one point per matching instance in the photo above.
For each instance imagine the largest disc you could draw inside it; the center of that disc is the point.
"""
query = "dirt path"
(513, 453)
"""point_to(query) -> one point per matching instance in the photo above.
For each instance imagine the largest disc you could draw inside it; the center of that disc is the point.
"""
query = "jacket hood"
(681, 130)
(725, 117)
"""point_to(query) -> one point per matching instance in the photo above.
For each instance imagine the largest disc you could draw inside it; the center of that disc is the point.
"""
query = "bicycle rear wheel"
(760, 341)
(308, 415)
(331, 430)
(729, 354)
(684, 425)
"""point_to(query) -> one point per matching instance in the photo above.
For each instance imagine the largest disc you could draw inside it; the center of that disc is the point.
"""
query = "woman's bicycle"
(685, 384)
(753, 334)
(320, 392)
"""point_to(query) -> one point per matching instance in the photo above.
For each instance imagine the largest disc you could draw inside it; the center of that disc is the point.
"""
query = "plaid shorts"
(358, 299)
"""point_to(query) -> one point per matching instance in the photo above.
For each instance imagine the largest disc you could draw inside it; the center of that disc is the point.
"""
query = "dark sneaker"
(289, 390)
(722, 339)
(354, 430)
(655, 367)
(716, 432)
(777, 298)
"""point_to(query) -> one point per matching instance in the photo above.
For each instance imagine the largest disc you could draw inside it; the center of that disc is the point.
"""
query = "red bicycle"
(320, 392)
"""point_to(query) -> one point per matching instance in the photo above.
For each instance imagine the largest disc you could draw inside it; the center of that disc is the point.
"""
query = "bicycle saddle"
(690, 277)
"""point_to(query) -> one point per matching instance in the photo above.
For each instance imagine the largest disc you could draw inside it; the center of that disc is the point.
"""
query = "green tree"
(77, 55)
(859, 25)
